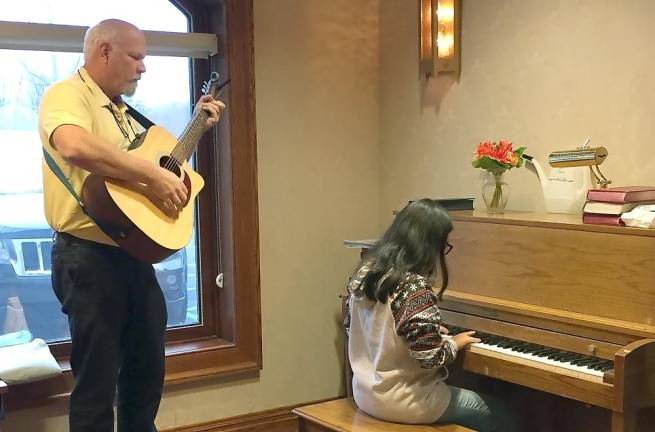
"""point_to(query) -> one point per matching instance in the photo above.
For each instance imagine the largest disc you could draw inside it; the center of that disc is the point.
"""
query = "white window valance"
(69, 38)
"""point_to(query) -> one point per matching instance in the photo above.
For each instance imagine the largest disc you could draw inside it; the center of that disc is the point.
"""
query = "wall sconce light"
(439, 37)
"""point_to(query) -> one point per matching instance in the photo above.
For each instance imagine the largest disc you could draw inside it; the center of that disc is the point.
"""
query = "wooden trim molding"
(273, 420)
(229, 227)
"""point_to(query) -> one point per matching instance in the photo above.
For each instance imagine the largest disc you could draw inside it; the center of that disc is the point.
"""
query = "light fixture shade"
(439, 37)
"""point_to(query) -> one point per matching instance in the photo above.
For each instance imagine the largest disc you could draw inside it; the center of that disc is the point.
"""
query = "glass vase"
(495, 192)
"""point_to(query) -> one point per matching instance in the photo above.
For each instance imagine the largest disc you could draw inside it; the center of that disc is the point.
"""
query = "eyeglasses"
(448, 248)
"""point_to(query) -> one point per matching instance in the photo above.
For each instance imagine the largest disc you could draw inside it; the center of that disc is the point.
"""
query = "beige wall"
(317, 132)
(543, 74)
(347, 133)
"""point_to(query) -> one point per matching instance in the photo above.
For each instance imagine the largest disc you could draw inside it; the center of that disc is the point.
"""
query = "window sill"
(185, 362)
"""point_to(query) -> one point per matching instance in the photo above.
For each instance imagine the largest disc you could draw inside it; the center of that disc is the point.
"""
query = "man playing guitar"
(115, 307)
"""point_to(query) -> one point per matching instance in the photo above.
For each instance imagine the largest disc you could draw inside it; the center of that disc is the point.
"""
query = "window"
(206, 336)
(27, 303)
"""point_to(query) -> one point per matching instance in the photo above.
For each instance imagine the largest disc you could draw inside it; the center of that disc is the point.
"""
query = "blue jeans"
(482, 413)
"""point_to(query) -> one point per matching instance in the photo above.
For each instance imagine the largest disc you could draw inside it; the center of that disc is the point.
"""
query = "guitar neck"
(188, 141)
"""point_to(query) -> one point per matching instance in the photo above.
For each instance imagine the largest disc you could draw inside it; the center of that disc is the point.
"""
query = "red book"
(625, 194)
(602, 219)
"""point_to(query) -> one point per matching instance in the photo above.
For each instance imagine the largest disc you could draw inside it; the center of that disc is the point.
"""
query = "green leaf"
(520, 151)
(488, 164)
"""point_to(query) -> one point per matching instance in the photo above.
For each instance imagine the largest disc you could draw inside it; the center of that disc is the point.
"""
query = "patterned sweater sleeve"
(353, 288)
(346, 315)
(417, 319)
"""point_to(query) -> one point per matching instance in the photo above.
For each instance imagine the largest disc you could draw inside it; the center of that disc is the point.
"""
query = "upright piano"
(563, 307)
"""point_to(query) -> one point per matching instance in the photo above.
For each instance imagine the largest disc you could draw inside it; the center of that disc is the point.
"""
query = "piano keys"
(550, 359)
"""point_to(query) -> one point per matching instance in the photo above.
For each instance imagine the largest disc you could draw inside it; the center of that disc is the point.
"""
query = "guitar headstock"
(212, 87)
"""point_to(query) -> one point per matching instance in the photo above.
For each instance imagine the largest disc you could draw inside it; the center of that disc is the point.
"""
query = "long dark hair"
(415, 242)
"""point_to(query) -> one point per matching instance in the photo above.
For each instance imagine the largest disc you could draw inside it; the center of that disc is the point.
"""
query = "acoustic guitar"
(127, 216)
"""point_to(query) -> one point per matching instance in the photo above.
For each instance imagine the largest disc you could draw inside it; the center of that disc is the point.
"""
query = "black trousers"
(117, 317)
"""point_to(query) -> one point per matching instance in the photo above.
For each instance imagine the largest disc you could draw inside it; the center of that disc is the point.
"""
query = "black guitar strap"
(136, 115)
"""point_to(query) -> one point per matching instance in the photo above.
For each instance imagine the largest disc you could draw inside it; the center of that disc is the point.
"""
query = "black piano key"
(583, 361)
(598, 366)
(533, 347)
(524, 347)
(595, 363)
(559, 356)
(568, 357)
(554, 353)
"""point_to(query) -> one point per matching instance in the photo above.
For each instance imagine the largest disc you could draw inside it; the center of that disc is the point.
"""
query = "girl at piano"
(397, 348)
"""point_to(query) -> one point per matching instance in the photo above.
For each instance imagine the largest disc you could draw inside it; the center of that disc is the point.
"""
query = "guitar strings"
(180, 151)
(197, 122)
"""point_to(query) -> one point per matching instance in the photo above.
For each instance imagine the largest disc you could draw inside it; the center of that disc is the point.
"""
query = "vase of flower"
(495, 192)
(496, 158)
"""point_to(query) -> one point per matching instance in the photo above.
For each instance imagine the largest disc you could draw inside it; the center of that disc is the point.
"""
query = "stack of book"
(605, 206)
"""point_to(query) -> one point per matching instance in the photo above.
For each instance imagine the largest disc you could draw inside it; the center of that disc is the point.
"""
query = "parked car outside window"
(26, 241)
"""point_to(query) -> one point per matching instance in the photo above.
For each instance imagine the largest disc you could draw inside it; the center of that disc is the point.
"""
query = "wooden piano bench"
(342, 415)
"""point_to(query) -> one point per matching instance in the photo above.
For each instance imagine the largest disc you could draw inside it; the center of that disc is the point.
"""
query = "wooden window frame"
(229, 340)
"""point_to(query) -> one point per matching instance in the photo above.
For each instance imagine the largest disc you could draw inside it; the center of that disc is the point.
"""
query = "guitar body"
(127, 216)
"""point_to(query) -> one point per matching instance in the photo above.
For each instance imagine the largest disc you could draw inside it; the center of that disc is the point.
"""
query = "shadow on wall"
(434, 90)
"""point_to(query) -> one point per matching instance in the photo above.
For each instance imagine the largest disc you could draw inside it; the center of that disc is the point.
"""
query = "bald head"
(113, 55)
(106, 31)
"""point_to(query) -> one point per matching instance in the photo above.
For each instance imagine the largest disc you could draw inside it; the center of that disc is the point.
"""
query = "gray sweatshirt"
(397, 352)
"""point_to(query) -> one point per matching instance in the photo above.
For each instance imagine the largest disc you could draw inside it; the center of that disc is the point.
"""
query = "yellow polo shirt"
(78, 101)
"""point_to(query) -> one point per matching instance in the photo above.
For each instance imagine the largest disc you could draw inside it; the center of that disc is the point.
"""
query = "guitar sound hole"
(171, 165)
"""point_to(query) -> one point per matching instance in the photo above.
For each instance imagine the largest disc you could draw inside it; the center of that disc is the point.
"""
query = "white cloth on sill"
(27, 362)
(642, 216)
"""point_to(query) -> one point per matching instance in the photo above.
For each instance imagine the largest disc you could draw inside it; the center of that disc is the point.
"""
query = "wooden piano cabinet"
(551, 280)
(634, 385)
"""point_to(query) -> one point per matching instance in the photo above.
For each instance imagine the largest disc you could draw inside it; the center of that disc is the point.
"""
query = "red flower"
(497, 156)
(500, 151)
